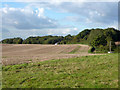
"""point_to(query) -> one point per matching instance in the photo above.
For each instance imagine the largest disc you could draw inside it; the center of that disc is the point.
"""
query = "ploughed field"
(25, 53)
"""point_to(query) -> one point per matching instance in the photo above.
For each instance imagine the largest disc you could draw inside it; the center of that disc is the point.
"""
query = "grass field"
(100, 71)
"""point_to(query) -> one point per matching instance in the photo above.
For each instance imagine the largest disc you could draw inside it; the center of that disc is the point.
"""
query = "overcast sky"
(24, 19)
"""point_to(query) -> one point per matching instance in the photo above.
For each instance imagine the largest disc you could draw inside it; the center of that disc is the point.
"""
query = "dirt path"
(25, 53)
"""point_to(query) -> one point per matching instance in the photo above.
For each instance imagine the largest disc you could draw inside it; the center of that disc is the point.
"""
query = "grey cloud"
(4, 30)
(23, 20)
(97, 12)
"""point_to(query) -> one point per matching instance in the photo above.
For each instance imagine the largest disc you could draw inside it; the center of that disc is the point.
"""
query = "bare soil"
(25, 53)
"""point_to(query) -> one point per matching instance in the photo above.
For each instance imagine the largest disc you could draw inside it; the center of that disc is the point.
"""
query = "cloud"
(100, 13)
(60, 1)
(104, 13)
(4, 30)
(75, 29)
(33, 18)
(26, 18)
(34, 32)
(40, 11)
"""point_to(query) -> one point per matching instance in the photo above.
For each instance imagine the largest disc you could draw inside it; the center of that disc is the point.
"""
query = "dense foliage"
(97, 38)
(43, 40)
(13, 41)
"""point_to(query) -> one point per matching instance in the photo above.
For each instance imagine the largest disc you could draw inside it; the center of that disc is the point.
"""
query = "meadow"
(96, 71)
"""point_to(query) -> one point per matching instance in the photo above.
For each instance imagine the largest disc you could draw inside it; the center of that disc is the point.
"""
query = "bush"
(91, 50)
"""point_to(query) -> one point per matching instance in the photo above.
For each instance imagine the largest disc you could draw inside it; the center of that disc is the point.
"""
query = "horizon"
(25, 19)
(59, 35)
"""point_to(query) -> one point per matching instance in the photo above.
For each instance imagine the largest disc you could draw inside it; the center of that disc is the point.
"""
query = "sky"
(24, 19)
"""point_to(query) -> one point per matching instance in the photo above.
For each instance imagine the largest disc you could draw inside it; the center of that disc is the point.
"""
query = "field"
(99, 71)
(25, 53)
(62, 66)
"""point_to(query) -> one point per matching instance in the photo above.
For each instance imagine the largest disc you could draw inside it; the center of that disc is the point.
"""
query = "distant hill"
(97, 38)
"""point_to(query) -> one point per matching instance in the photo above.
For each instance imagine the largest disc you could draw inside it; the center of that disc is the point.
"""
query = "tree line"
(96, 38)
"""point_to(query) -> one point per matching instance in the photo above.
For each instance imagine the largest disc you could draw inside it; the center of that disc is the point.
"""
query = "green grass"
(81, 72)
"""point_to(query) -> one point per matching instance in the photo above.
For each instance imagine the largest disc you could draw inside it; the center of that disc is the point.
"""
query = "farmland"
(65, 44)
(60, 66)
(25, 53)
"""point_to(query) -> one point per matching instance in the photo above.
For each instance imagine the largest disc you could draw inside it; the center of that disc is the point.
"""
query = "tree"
(99, 40)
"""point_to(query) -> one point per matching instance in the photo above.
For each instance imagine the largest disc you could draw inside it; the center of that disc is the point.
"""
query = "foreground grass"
(81, 72)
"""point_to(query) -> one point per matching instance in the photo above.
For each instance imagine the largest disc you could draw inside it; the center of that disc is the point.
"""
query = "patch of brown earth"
(25, 53)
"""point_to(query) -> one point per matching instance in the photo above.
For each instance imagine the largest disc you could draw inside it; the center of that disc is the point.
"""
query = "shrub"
(91, 50)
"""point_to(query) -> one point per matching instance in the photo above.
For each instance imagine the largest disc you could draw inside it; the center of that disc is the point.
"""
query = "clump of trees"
(34, 40)
(13, 41)
(43, 40)
(99, 39)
